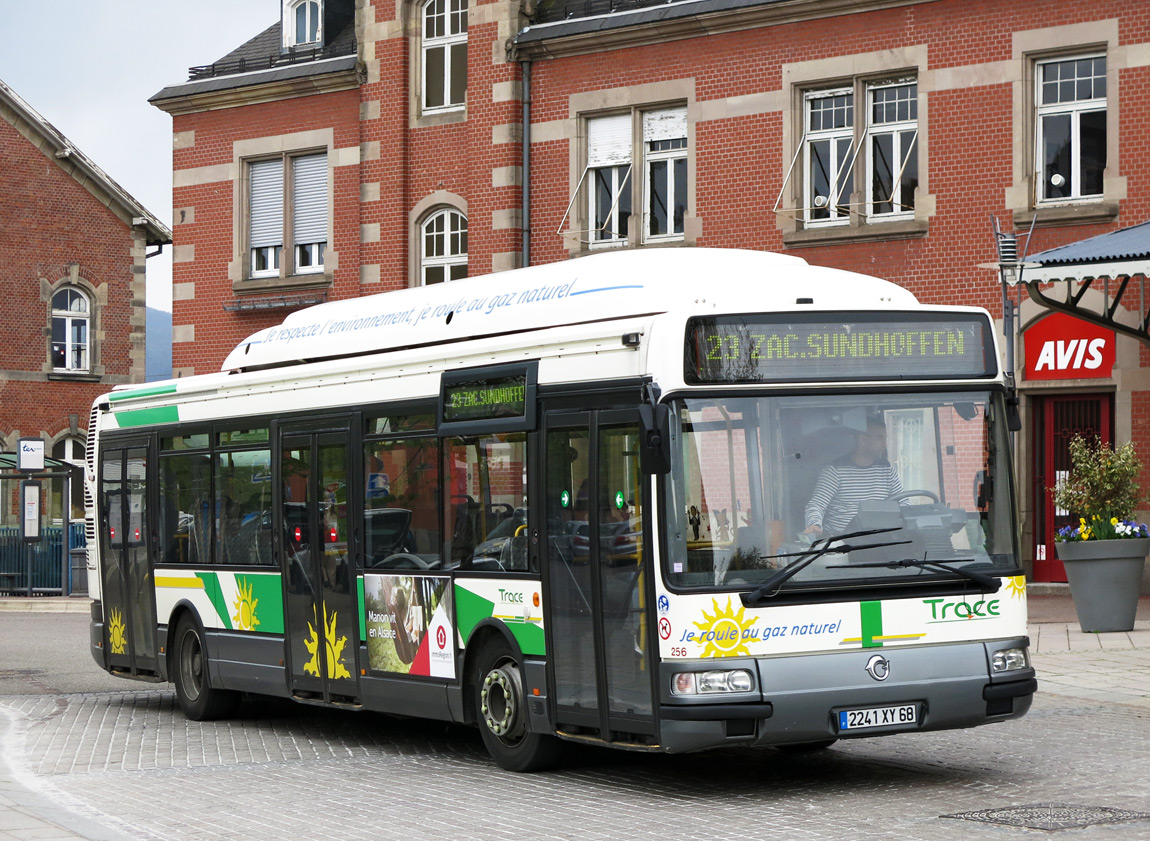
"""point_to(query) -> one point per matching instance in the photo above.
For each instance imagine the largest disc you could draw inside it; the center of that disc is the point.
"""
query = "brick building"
(73, 285)
(354, 148)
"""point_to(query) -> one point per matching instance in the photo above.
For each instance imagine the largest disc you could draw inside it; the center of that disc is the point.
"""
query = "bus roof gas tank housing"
(606, 286)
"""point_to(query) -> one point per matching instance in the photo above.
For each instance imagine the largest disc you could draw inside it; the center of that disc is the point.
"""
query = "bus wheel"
(198, 700)
(500, 711)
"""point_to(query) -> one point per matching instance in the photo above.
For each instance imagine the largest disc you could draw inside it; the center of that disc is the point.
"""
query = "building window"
(444, 250)
(291, 189)
(302, 23)
(833, 167)
(610, 192)
(72, 451)
(71, 320)
(444, 54)
(1071, 128)
(892, 149)
(665, 185)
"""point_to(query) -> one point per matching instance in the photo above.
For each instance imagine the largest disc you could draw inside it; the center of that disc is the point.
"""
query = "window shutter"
(309, 199)
(670, 124)
(267, 203)
(609, 140)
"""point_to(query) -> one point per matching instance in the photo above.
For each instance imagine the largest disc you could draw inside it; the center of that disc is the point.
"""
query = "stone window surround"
(636, 99)
(1028, 47)
(320, 140)
(857, 70)
(97, 300)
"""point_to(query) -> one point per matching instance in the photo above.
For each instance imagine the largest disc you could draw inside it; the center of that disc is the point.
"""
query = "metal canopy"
(1114, 263)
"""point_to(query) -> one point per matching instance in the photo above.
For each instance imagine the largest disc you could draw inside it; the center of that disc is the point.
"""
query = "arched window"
(302, 23)
(444, 54)
(444, 250)
(71, 317)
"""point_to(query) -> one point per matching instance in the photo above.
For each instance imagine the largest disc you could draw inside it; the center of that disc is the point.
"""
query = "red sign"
(1062, 347)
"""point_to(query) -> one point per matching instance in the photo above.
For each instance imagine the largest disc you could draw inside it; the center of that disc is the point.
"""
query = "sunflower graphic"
(245, 605)
(723, 631)
(335, 666)
(1016, 586)
(117, 632)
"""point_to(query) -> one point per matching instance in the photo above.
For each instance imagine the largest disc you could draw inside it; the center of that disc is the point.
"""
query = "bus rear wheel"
(501, 713)
(198, 699)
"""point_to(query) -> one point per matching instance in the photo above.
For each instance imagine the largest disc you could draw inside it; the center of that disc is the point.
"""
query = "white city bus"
(574, 503)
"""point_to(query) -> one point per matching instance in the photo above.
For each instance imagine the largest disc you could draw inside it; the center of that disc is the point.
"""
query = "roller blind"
(669, 124)
(309, 199)
(609, 140)
(266, 205)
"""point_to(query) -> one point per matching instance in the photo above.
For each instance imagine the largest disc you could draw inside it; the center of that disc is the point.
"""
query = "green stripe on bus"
(141, 392)
(212, 589)
(268, 600)
(529, 635)
(147, 417)
(470, 610)
(871, 615)
(362, 609)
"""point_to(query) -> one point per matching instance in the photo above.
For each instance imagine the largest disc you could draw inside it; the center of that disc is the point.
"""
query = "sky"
(89, 67)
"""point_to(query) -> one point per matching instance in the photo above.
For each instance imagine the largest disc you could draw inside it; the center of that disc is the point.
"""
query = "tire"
(198, 699)
(501, 712)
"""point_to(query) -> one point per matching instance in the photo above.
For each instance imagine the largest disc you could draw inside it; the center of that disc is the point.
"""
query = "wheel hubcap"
(499, 702)
(193, 665)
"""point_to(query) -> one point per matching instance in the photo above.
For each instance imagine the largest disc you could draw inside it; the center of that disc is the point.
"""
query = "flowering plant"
(1103, 489)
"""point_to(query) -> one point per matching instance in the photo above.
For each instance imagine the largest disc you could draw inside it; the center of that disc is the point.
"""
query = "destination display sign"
(496, 398)
(792, 347)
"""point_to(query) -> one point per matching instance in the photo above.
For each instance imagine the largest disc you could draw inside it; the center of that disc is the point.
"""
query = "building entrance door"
(1056, 421)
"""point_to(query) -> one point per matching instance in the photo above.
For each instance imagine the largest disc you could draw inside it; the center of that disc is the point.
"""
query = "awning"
(1106, 263)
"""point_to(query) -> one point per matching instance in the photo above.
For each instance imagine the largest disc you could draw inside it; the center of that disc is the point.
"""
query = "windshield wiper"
(771, 586)
(988, 583)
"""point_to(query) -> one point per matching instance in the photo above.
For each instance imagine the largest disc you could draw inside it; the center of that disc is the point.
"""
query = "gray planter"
(1104, 578)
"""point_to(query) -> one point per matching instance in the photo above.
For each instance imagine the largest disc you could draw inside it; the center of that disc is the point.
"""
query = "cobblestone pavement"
(119, 765)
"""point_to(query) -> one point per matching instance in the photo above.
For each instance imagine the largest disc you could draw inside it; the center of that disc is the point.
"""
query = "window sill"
(445, 117)
(74, 376)
(867, 232)
(259, 285)
(1050, 216)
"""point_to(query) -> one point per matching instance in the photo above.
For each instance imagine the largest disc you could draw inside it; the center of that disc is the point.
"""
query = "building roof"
(262, 60)
(53, 144)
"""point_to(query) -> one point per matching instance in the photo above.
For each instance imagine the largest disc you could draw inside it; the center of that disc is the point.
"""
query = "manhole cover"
(1051, 816)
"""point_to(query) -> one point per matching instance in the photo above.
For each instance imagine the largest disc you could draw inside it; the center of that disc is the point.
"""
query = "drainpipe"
(525, 209)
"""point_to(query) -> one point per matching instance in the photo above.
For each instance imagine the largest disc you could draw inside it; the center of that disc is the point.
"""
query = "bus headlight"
(712, 683)
(1009, 660)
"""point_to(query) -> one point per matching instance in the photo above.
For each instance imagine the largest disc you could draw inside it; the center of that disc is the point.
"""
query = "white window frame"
(288, 213)
(443, 245)
(903, 135)
(77, 351)
(447, 22)
(313, 20)
(840, 140)
(1074, 109)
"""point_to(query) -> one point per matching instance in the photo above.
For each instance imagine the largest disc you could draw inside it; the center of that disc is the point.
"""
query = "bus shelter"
(54, 563)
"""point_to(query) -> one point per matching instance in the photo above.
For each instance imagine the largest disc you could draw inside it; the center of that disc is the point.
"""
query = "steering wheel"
(401, 560)
(931, 495)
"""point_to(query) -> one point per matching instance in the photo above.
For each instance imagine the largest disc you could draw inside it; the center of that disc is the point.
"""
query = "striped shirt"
(841, 487)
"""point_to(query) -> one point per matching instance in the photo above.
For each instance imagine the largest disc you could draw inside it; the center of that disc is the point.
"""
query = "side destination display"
(499, 398)
(791, 347)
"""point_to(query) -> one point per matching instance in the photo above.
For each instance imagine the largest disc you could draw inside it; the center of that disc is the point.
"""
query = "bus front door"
(319, 586)
(127, 591)
(597, 576)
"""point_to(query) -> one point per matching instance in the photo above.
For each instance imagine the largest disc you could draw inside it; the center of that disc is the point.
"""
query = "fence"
(54, 569)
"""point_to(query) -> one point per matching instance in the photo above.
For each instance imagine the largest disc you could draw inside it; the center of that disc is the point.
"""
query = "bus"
(578, 502)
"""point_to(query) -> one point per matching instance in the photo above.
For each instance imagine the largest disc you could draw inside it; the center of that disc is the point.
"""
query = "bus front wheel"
(198, 699)
(501, 712)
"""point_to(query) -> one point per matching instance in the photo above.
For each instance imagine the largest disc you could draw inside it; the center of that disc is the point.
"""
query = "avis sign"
(1062, 347)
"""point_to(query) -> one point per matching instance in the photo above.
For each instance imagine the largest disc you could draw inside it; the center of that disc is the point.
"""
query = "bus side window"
(486, 511)
(401, 512)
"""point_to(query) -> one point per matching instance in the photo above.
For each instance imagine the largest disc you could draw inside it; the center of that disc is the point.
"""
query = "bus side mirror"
(654, 438)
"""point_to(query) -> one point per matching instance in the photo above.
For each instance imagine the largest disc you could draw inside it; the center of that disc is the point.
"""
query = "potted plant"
(1104, 554)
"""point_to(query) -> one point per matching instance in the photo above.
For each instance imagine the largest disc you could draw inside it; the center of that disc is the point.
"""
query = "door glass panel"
(569, 567)
(299, 579)
(621, 570)
(139, 574)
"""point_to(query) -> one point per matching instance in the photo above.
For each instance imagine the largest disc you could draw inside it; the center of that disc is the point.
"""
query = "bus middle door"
(320, 613)
(597, 571)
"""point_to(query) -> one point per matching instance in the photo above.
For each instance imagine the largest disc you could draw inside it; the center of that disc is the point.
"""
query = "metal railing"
(248, 65)
(51, 564)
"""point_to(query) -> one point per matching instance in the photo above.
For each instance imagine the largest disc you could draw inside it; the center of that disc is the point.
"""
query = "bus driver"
(862, 475)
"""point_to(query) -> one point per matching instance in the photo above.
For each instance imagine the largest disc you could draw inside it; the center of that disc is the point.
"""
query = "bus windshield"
(763, 483)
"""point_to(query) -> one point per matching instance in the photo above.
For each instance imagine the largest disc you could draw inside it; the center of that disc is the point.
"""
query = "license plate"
(878, 717)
